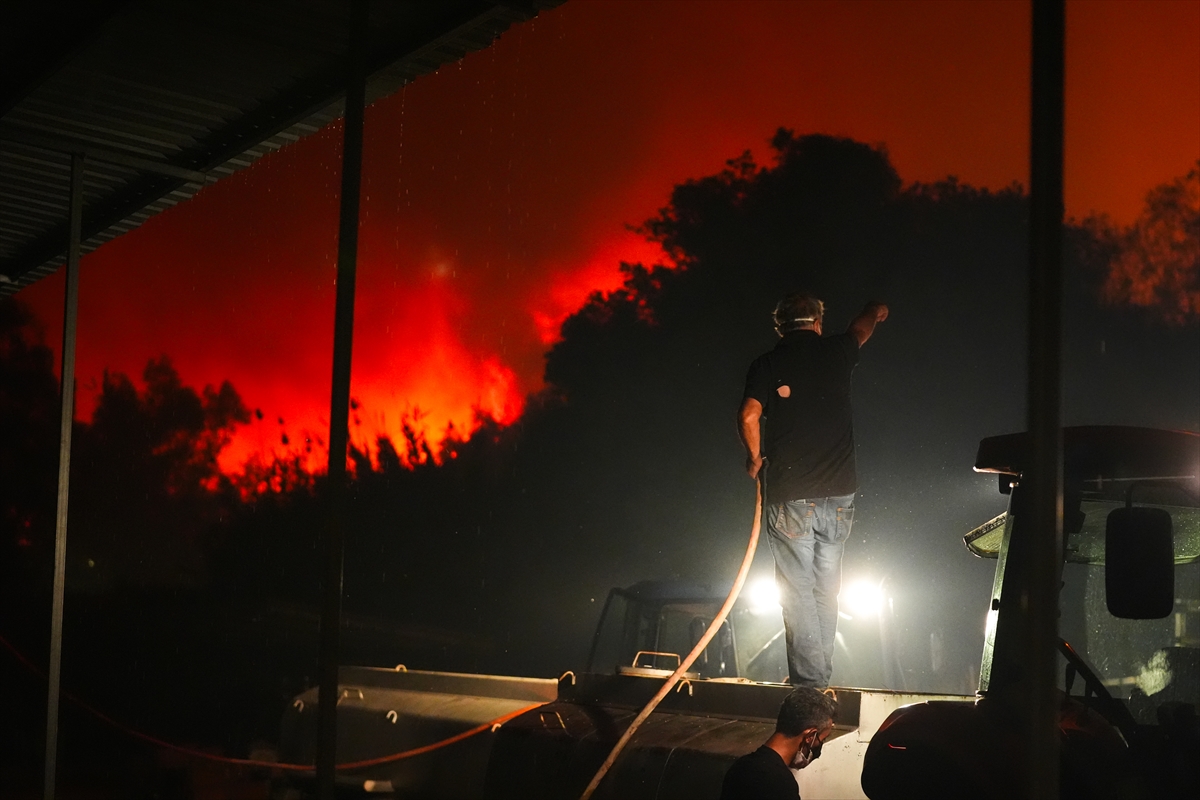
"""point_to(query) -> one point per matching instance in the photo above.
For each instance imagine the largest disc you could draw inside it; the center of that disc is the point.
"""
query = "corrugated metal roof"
(164, 96)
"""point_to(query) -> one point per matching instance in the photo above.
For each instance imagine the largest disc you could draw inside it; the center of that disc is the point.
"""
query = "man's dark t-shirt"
(808, 435)
(760, 775)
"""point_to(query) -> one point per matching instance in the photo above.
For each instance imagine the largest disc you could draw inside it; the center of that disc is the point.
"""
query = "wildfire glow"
(570, 288)
(411, 367)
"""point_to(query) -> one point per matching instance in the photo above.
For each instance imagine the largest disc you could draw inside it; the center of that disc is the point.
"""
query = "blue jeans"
(807, 540)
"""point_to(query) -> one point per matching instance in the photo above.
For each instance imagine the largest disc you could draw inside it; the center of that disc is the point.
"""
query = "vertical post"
(339, 405)
(70, 316)
(1044, 481)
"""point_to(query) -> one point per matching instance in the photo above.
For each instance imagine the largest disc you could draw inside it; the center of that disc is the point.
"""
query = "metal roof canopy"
(164, 97)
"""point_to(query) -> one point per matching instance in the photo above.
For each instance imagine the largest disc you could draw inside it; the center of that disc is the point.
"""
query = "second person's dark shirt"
(760, 775)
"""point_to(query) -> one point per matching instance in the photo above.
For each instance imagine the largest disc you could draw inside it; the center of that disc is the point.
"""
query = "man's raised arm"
(748, 417)
(864, 324)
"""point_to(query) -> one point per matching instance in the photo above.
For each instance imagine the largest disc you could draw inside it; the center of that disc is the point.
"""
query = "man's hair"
(797, 310)
(804, 708)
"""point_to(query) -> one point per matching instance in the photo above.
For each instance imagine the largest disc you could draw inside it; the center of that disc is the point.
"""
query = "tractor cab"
(646, 627)
(1129, 632)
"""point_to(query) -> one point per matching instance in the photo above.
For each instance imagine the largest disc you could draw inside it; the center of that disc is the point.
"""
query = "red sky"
(497, 191)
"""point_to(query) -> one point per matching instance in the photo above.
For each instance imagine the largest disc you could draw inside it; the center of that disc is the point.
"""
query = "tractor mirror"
(1139, 563)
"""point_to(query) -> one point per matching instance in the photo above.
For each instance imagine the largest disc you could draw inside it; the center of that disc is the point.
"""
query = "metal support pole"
(1044, 481)
(70, 317)
(339, 404)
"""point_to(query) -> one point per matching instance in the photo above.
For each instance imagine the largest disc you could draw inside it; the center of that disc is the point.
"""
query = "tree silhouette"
(145, 479)
(1132, 314)
(147, 502)
(1155, 262)
(29, 428)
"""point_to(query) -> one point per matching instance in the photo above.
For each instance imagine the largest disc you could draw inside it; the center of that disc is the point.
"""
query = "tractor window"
(680, 627)
(1087, 545)
(1149, 664)
(761, 649)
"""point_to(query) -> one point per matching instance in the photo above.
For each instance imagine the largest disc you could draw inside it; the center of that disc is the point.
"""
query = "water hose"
(713, 627)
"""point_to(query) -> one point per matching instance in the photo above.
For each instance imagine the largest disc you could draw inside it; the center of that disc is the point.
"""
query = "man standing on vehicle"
(804, 723)
(801, 389)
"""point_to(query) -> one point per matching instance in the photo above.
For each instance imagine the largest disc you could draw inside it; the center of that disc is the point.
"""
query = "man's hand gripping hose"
(696, 651)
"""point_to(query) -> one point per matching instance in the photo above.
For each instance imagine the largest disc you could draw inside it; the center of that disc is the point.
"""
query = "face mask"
(808, 753)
